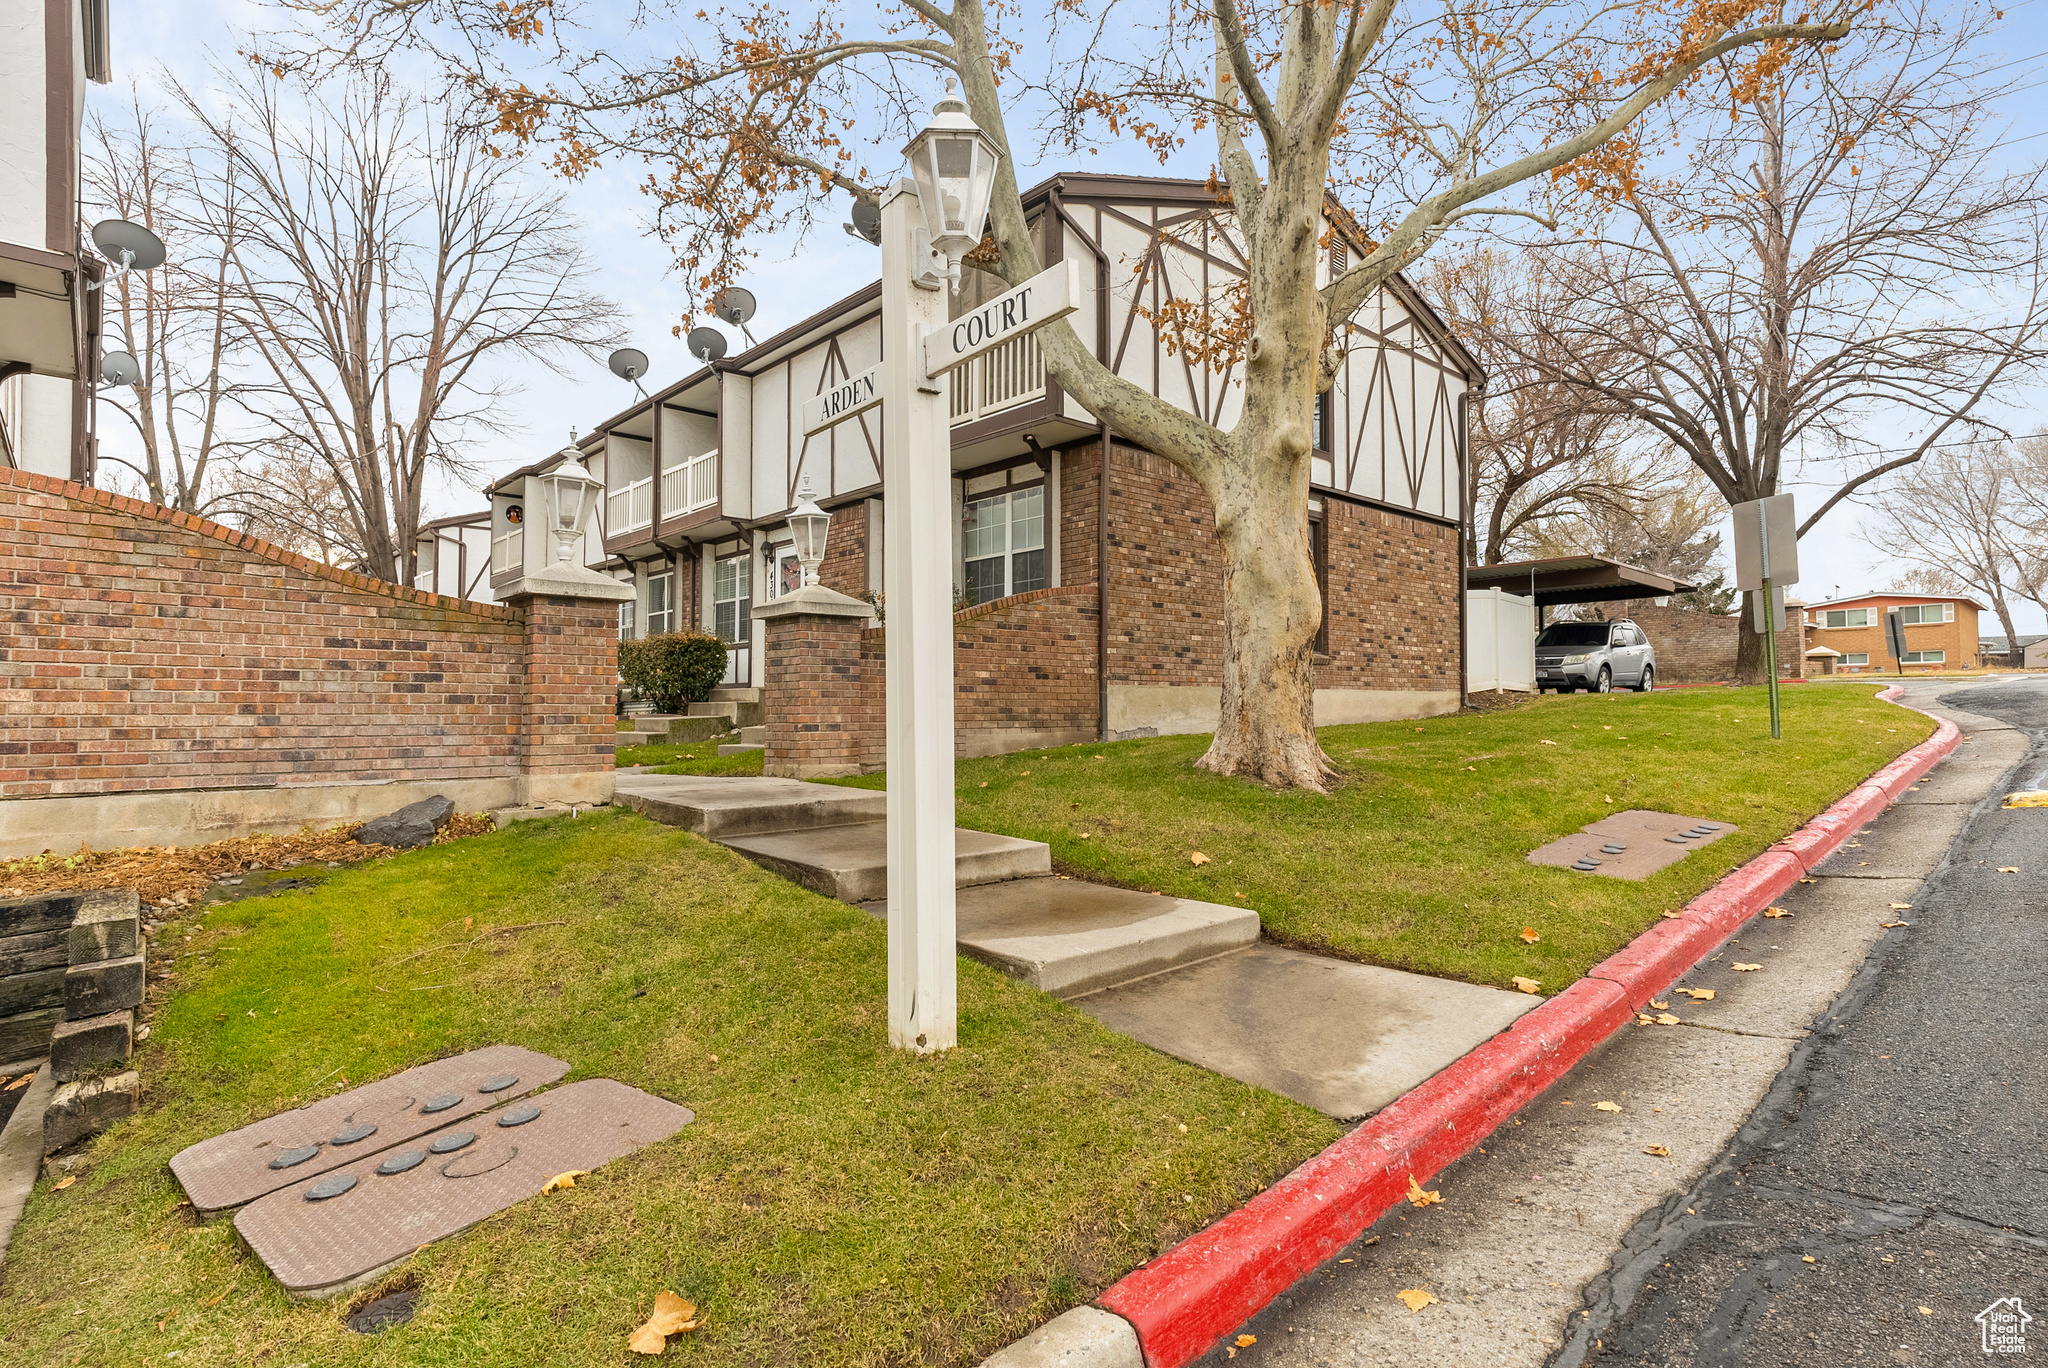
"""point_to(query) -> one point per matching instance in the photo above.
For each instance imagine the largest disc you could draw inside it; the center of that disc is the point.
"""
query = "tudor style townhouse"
(700, 477)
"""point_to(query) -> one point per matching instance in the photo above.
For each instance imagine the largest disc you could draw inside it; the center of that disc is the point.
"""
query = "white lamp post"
(954, 164)
(809, 526)
(570, 492)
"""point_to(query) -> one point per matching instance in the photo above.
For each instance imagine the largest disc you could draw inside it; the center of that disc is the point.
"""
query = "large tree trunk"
(1751, 666)
(1272, 613)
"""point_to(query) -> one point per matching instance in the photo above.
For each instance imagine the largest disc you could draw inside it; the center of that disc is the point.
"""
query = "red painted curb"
(1188, 1298)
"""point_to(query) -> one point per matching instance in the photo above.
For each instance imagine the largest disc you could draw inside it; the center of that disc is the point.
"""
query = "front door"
(732, 613)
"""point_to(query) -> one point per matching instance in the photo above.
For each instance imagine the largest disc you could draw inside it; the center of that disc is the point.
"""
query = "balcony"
(508, 551)
(689, 486)
(630, 507)
(1012, 374)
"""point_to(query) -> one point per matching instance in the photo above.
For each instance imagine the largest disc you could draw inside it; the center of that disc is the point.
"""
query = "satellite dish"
(867, 222)
(734, 305)
(119, 368)
(706, 344)
(629, 363)
(130, 245)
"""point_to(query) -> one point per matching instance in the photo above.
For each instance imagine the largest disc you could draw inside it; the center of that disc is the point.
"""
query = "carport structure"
(1573, 579)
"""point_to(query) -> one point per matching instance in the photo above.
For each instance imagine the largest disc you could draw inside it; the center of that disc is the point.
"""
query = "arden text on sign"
(1047, 296)
(850, 397)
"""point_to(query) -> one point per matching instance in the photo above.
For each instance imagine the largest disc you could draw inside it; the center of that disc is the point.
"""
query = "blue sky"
(794, 280)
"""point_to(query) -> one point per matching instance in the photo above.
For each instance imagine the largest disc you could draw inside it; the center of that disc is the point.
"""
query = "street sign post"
(1766, 560)
(1895, 639)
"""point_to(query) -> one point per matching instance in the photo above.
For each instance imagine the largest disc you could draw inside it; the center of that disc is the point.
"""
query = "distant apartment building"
(1941, 631)
(49, 319)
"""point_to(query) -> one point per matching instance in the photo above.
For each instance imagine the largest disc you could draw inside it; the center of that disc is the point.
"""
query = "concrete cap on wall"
(814, 600)
(562, 580)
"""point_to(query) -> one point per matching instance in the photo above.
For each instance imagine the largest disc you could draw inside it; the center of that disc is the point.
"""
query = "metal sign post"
(1766, 560)
(1895, 639)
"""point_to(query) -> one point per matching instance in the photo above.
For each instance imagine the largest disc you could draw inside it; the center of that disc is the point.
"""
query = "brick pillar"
(569, 702)
(812, 702)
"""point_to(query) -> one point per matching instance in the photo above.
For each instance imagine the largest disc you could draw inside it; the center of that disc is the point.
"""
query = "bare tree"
(1951, 517)
(174, 320)
(381, 263)
(751, 113)
(291, 502)
(1845, 268)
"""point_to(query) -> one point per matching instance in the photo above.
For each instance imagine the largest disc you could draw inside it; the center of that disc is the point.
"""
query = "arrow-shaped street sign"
(1049, 295)
(849, 398)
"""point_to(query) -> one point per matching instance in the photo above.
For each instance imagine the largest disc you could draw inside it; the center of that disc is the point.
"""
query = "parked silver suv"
(1601, 656)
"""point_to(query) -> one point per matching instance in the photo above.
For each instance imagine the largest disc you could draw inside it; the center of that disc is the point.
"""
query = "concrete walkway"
(1188, 978)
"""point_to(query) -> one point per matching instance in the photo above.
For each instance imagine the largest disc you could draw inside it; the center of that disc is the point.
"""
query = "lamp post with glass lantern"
(569, 492)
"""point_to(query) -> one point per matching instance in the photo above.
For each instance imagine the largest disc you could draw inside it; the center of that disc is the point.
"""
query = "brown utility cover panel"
(231, 1169)
(319, 1248)
(1644, 833)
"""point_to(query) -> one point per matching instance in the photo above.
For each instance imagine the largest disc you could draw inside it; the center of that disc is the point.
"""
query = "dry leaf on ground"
(63, 1183)
(1775, 912)
(672, 1316)
(1529, 934)
(1607, 1106)
(1698, 994)
(1416, 1298)
(1657, 1151)
(1666, 1019)
(1926, 1310)
(1741, 968)
(1527, 985)
(1247, 1341)
(1808, 1258)
(1546, 743)
(1661, 1006)
(1198, 858)
(1890, 924)
(563, 1180)
(1420, 1198)
(2008, 869)
(1901, 907)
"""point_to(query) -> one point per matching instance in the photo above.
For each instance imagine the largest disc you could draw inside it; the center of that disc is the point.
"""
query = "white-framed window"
(789, 571)
(626, 620)
(1847, 617)
(661, 602)
(1914, 613)
(732, 605)
(1926, 657)
(1002, 544)
(1856, 658)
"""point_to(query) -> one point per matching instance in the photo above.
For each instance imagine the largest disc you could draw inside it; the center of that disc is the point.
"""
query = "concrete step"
(665, 731)
(729, 711)
(851, 863)
(1067, 937)
(719, 806)
(754, 736)
(747, 701)
(734, 693)
(741, 748)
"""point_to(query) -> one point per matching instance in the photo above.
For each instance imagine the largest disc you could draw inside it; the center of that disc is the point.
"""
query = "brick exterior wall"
(1699, 648)
(149, 650)
(1393, 608)
(845, 567)
(1958, 639)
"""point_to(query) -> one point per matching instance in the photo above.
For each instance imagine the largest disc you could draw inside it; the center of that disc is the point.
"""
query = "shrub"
(673, 669)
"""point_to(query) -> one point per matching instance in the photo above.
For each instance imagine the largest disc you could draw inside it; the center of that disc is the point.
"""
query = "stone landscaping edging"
(1183, 1302)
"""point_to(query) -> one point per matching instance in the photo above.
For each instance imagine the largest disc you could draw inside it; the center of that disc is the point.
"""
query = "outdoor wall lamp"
(954, 164)
(809, 525)
(570, 492)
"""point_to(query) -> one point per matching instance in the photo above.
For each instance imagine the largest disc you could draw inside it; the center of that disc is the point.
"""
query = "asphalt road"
(1870, 1099)
(1893, 1184)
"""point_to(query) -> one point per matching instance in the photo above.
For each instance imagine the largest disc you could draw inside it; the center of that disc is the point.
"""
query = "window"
(1574, 634)
(1856, 658)
(1320, 436)
(732, 605)
(1847, 617)
(1319, 556)
(661, 603)
(1926, 657)
(789, 571)
(1003, 544)
(626, 620)
(1926, 612)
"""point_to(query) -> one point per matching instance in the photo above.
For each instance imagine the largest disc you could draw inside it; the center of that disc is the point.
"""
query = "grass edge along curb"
(1188, 1298)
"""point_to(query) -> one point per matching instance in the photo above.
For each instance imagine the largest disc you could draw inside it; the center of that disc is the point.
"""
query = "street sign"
(1756, 608)
(1779, 537)
(849, 398)
(1049, 295)
(1895, 637)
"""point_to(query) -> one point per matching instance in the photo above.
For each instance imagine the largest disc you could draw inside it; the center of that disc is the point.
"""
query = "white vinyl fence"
(1500, 641)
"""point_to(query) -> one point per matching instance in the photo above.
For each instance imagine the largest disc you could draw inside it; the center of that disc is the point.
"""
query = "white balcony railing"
(508, 551)
(1012, 374)
(629, 507)
(689, 485)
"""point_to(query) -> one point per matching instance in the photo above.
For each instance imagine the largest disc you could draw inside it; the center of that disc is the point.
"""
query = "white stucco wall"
(43, 443)
(24, 174)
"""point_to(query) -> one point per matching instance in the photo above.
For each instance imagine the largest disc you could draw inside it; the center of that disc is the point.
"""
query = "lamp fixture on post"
(571, 492)
(954, 164)
(809, 526)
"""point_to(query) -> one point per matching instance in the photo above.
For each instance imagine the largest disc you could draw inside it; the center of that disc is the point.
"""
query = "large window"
(732, 605)
(1926, 612)
(1926, 657)
(626, 620)
(661, 602)
(1847, 617)
(1856, 658)
(1003, 544)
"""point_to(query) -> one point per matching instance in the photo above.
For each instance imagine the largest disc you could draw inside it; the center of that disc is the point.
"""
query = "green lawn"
(1417, 860)
(835, 1202)
(698, 757)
